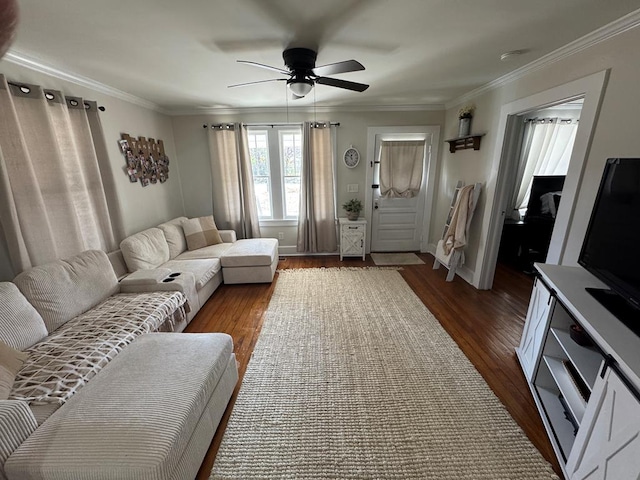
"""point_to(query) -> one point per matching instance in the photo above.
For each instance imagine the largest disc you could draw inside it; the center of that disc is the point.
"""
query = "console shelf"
(588, 396)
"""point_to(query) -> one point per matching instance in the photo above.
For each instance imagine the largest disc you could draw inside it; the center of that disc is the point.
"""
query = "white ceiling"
(181, 55)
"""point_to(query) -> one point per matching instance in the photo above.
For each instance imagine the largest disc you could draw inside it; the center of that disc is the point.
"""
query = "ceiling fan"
(303, 73)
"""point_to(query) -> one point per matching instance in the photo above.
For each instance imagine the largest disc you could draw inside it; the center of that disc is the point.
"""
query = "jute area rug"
(353, 378)
(396, 259)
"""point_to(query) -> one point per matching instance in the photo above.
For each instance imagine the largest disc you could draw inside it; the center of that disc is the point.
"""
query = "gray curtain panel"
(317, 217)
(234, 204)
(53, 202)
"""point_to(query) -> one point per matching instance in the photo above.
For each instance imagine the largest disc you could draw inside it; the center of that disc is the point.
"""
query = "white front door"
(396, 223)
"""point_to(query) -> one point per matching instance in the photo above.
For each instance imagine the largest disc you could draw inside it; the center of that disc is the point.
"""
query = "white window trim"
(276, 178)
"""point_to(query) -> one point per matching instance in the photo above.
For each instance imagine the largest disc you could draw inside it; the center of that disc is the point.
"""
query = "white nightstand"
(352, 237)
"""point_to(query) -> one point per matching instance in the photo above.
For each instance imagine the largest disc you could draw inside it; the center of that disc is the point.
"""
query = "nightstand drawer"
(353, 228)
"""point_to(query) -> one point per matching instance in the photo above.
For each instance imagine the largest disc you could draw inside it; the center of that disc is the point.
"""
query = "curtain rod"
(551, 120)
(25, 88)
(272, 125)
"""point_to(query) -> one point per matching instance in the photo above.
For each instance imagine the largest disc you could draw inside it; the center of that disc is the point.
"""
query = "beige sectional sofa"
(104, 386)
(154, 254)
(92, 365)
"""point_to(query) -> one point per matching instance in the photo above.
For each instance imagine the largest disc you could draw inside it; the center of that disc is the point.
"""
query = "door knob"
(375, 206)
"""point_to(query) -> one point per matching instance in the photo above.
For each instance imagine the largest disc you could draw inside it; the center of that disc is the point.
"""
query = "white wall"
(615, 131)
(187, 147)
(193, 150)
(141, 207)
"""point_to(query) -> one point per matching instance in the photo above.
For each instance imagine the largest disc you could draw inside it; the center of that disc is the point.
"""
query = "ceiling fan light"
(300, 88)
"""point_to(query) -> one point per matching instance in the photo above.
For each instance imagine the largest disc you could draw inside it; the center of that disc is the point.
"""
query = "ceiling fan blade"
(259, 81)
(336, 82)
(274, 69)
(339, 67)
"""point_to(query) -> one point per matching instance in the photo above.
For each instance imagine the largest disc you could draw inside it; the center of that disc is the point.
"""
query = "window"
(276, 160)
(259, 153)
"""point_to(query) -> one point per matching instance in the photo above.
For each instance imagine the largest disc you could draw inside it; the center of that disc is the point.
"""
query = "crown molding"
(306, 109)
(19, 58)
(617, 27)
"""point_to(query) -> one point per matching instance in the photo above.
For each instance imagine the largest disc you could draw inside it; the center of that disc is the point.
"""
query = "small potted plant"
(464, 115)
(353, 208)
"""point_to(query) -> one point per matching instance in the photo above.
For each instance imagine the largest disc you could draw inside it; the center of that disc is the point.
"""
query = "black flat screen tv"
(611, 248)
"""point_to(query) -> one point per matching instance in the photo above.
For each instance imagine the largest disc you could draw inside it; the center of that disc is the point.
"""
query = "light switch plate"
(352, 188)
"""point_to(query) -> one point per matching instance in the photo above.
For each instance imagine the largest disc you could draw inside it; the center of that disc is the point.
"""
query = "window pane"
(291, 196)
(263, 196)
(259, 153)
(291, 153)
(291, 157)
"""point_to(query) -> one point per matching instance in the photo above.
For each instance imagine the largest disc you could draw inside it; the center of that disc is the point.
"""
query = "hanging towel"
(456, 235)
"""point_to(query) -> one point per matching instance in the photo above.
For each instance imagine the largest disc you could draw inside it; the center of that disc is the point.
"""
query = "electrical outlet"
(280, 235)
(352, 188)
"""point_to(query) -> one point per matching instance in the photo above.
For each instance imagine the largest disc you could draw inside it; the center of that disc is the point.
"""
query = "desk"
(525, 241)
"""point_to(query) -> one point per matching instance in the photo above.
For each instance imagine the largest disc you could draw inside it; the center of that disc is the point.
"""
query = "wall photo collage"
(146, 159)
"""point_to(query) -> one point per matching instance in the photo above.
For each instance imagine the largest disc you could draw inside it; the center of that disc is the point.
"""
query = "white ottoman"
(151, 413)
(252, 260)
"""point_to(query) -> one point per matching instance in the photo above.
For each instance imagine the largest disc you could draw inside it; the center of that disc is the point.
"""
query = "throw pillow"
(11, 361)
(201, 232)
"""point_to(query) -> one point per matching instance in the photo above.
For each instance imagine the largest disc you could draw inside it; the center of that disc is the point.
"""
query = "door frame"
(431, 157)
(591, 89)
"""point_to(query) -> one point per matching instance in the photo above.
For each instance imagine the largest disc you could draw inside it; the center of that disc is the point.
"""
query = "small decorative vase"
(353, 215)
(464, 127)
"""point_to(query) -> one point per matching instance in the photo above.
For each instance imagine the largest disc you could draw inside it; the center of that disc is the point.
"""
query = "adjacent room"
(347, 239)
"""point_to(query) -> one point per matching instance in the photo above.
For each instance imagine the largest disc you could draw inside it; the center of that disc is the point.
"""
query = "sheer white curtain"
(317, 214)
(401, 168)
(53, 202)
(546, 150)
(234, 204)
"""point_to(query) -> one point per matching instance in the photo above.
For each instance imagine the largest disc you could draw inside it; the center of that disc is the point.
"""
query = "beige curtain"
(234, 204)
(546, 150)
(317, 217)
(52, 200)
(401, 168)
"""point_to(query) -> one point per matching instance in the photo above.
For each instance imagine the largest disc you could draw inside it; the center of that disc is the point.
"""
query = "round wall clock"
(351, 157)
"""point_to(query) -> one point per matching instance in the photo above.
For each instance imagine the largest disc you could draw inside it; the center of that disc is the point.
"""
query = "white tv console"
(588, 397)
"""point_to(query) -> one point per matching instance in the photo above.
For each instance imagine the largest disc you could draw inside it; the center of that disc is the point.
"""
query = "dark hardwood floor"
(487, 326)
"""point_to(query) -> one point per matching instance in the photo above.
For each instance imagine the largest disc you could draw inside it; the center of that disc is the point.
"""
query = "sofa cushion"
(64, 289)
(17, 423)
(68, 358)
(136, 419)
(212, 251)
(11, 361)
(203, 269)
(174, 235)
(144, 250)
(251, 252)
(201, 232)
(20, 324)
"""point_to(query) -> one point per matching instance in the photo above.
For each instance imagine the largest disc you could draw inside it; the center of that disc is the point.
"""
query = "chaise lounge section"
(150, 414)
(69, 324)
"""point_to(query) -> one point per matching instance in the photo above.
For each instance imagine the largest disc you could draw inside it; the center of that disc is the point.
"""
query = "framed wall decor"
(146, 160)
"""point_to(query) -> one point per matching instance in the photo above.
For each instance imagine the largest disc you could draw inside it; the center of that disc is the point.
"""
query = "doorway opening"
(536, 178)
(590, 89)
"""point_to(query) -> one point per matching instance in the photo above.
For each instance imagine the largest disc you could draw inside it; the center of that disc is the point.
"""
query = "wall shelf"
(462, 143)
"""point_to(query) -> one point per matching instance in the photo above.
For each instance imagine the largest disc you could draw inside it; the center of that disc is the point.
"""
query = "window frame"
(277, 177)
